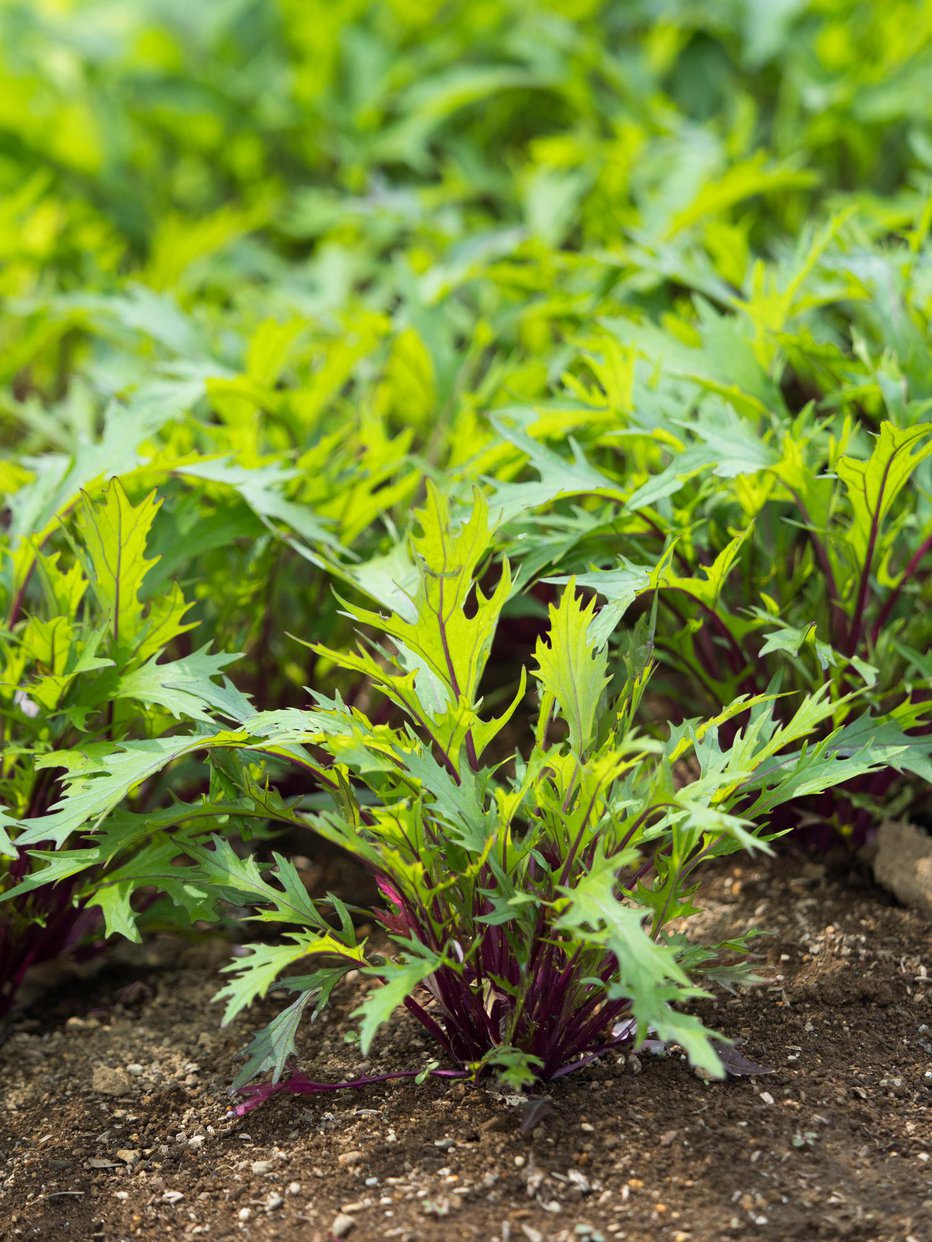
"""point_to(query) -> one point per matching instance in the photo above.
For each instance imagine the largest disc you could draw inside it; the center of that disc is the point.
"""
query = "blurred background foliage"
(235, 112)
(433, 185)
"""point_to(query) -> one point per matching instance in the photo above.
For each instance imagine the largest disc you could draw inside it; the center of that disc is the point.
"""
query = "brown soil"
(114, 1122)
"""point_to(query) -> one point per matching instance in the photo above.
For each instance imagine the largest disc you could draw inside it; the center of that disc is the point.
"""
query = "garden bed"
(115, 1126)
(490, 445)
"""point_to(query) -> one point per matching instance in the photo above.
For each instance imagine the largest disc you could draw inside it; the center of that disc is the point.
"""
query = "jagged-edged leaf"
(441, 635)
(97, 779)
(114, 533)
(573, 667)
(114, 901)
(272, 1047)
(263, 964)
(873, 485)
(185, 687)
(399, 981)
(648, 972)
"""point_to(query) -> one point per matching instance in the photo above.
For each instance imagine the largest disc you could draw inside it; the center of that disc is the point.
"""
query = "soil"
(114, 1122)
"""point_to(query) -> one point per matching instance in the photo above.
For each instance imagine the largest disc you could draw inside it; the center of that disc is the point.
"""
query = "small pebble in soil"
(109, 1081)
(172, 1196)
(294, 1188)
(579, 1180)
(273, 1202)
(349, 1158)
(342, 1225)
(259, 1167)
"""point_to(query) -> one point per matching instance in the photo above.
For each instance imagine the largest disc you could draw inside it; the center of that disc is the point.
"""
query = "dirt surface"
(113, 1125)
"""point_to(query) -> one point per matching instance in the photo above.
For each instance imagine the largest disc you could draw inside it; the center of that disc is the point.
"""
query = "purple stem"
(837, 623)
(297, 1084)
(857, 620)
(891, 599)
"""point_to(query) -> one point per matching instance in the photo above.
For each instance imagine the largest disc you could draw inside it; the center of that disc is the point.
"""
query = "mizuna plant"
(82, 673)
(535, 868)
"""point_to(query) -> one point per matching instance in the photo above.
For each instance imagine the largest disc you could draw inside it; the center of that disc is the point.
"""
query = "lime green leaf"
(873, 485)
(114, 534)
(264, 963)
(573, 667)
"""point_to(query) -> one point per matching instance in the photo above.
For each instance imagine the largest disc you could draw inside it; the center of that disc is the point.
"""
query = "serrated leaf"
(97, 780)
(873, 485)
(573, 667)
(114, 900)
(274, 1045)
(114, 533)
(444, 634)
(263, 964)
(399, 981)
(186, 688)
(648, 972)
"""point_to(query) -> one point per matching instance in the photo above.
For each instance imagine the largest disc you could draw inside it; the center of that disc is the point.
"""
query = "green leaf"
(114, 533)
(59, 865)
(238, 878)
(443, 640)
(559, 476)
(648, 972)
(186, 687)
(119, 916)
(272, 1047)
(874, 485)
(258, 970)
(97, 779)
(460, 801)
(7, 848)
(573, 667)
(399, 980)
(620, 587)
